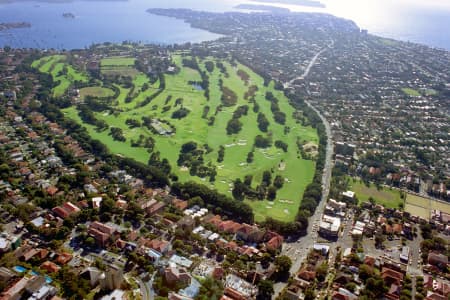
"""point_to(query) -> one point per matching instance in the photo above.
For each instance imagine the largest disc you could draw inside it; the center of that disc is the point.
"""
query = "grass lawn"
(422, 207)
(115, 147)
(384, 196)
(410, 92)
(96, 91)
(296, 171)
(119, 70)
(117, 61)
(119, 65)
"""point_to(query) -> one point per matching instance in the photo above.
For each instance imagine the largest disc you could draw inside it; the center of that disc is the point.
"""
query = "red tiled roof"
(72, 208)
(180, 204)
(397, 228)
(50, 267)
(158, 245)
(64, 258)
(391, 276)
(60, 212)
(275, 243)
(339, 296)
(102, 227)
(52, 190)
(229, 226)
(307, 275)
(233, 294)
(216, 220)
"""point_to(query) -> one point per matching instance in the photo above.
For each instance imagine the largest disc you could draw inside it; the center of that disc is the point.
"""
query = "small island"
(68, 15)
(12, 25)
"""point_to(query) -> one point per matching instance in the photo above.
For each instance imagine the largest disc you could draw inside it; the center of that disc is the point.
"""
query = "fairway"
(63, 74)
(182, 113)
(384, 196)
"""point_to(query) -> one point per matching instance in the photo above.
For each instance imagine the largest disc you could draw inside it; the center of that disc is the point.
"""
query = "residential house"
(50, 267)
(229, 226)
(173, 275)
(437, 259)
(65, 210)
(101, 233)
(186, 223)
(15, 291)
(250, 233)
(275, 242)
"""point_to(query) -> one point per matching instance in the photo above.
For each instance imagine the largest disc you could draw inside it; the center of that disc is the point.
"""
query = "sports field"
(118, 65)
(422, 207)
(296, 171)
(384, 196)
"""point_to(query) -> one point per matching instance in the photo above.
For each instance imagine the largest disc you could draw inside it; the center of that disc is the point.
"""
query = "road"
(311, 63)
(146, 288)
(298, 250)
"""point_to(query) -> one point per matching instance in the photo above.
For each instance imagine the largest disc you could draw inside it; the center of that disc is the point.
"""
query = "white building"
(329, 226)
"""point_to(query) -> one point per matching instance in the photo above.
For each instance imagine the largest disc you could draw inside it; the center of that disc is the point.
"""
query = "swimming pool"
(19, 269)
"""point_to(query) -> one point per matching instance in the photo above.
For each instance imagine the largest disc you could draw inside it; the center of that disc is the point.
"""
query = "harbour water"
(117, 21)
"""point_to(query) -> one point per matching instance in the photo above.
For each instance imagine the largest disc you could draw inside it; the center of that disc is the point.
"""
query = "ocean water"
(94, 22)
(117, 21)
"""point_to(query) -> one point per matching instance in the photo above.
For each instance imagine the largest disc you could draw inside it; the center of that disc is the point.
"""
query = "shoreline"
(45, 43)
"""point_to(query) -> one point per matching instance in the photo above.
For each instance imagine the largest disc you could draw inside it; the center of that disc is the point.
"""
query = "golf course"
(213, 121)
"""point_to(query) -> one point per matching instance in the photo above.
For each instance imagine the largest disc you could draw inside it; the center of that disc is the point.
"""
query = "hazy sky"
(369, 4)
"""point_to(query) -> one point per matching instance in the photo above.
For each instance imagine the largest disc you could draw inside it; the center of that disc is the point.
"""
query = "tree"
(309, 294)
(234, 126)
(211, 289)
(239, 189)
(250, 156)
(375, 288)
(271, 193)
(322, 271)
(263, 123)
(265, 290)
(220, 154)
(282, 145)
(180, 113)
(262, 142)
(278, 182)
(351, 286)
(209, 65)
(283, 264)
(267, 178)
(89, 242)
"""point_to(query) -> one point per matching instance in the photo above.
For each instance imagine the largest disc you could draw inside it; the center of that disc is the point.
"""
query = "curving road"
(298, 250)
